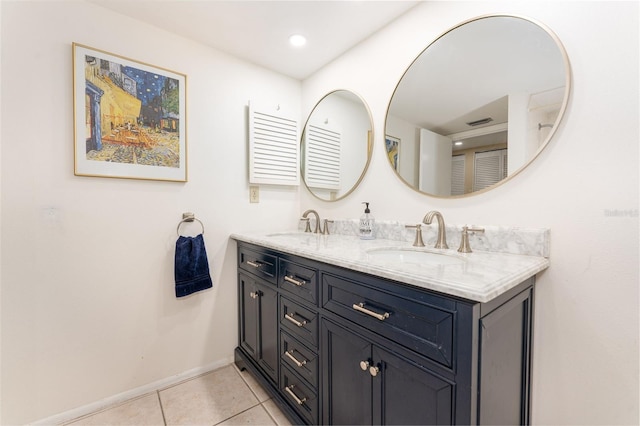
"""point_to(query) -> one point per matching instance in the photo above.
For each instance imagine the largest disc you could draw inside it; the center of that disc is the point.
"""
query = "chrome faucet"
(441, 242)
(308, 227)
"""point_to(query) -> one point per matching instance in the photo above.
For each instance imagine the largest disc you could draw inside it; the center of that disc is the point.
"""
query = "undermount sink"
(289, 234)
(407, 255)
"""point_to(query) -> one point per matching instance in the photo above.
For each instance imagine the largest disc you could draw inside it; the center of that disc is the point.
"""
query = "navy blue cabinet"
(364, 383)
(258, 327)
(336, 346)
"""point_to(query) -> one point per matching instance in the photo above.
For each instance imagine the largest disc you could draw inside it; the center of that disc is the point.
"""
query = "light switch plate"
(254, 194)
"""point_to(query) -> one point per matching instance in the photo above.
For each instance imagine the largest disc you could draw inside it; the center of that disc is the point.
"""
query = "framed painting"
(129, 118)
(392, 145)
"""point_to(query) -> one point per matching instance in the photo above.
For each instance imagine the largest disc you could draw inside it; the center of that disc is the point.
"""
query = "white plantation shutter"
(490, 168)
(457, 174)
(322, 157)
(273, 148)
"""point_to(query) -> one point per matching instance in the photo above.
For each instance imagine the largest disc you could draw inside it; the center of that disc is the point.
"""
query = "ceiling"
(258, 31)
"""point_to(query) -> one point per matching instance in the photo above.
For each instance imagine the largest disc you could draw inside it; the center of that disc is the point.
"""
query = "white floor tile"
(254, 416)
(208, 399)
(225, 396)
(276, 413)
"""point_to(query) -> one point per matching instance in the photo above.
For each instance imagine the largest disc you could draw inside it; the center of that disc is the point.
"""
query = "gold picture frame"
(129, 118)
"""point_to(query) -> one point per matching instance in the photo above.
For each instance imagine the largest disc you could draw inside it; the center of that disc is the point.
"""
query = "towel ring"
(189, 217)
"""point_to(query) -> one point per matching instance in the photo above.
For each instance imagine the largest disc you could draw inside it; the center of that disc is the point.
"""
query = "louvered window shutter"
(273, 148)
(322, 157)
(457, 174)
(490, 168)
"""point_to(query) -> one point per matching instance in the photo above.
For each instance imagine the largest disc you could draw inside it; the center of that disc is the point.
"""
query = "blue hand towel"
(191, 266)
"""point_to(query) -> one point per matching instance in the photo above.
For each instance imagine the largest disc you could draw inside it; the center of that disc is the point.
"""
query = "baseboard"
(131, 394)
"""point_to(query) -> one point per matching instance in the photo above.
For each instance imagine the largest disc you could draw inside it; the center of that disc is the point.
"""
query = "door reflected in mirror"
(336, 145)
(478, 105)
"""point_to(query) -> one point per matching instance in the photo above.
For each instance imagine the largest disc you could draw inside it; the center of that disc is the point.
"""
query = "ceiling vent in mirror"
(480, 122)
(273, 146)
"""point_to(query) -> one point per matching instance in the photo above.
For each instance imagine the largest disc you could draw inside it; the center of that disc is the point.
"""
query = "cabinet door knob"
(374, 370)
(364, 365)
(254, 294)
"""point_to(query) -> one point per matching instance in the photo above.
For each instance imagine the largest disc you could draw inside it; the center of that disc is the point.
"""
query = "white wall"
(585, 368)
(435, 163)
(88, 303)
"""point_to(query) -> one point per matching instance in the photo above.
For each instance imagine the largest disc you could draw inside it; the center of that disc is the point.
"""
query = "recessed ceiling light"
(458, 143)
(297, 40)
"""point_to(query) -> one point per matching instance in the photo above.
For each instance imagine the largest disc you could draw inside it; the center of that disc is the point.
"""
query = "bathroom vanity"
(341, 331)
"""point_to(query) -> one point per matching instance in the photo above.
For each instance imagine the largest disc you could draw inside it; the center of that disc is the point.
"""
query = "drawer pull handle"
(293, 358)
(295, 321)
(360, 307)
(288, 279)
(254, 264)
(294, 396)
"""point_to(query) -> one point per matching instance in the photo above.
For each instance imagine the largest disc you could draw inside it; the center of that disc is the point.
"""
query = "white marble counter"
(480, 276)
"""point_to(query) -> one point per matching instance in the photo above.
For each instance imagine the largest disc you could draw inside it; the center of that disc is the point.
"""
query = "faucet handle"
(464, 241)
(325, 228)
(308, 226)
(418, 241)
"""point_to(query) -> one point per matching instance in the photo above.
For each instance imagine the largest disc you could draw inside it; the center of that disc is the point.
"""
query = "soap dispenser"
(367, 222)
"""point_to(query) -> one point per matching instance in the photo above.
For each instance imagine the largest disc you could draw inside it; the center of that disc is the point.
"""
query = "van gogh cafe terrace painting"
(132, 116)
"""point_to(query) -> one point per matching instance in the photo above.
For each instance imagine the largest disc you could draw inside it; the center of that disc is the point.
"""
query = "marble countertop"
(479, 276)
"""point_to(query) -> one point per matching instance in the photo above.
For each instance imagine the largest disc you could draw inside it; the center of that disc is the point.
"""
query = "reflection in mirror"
(336, 145)
(477, 105)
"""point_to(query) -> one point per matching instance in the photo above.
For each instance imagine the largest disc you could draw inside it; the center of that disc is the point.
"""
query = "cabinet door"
(268, 336)
(259, 323)
(407, 394)
(248, 316)
(346, 386)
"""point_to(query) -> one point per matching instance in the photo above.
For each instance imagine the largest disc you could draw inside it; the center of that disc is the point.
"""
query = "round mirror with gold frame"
(477, 106)
(336, 145)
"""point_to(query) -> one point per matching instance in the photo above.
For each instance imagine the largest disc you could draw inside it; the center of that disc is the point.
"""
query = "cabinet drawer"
(301, 397)
(299, 280)
(299, 321)
(258, 263)
(299, 358)
(419, 326)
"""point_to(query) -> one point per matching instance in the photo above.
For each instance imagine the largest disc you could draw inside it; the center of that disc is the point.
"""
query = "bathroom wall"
(584, 187)
(88, 309)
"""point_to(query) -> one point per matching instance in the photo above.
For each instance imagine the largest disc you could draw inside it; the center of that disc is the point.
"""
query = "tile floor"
(226, 396)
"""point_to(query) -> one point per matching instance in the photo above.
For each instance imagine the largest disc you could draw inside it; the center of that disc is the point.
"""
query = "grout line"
(269, 413)
(164, 419)
(259, 402)
(238, 413)
(237, 370)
